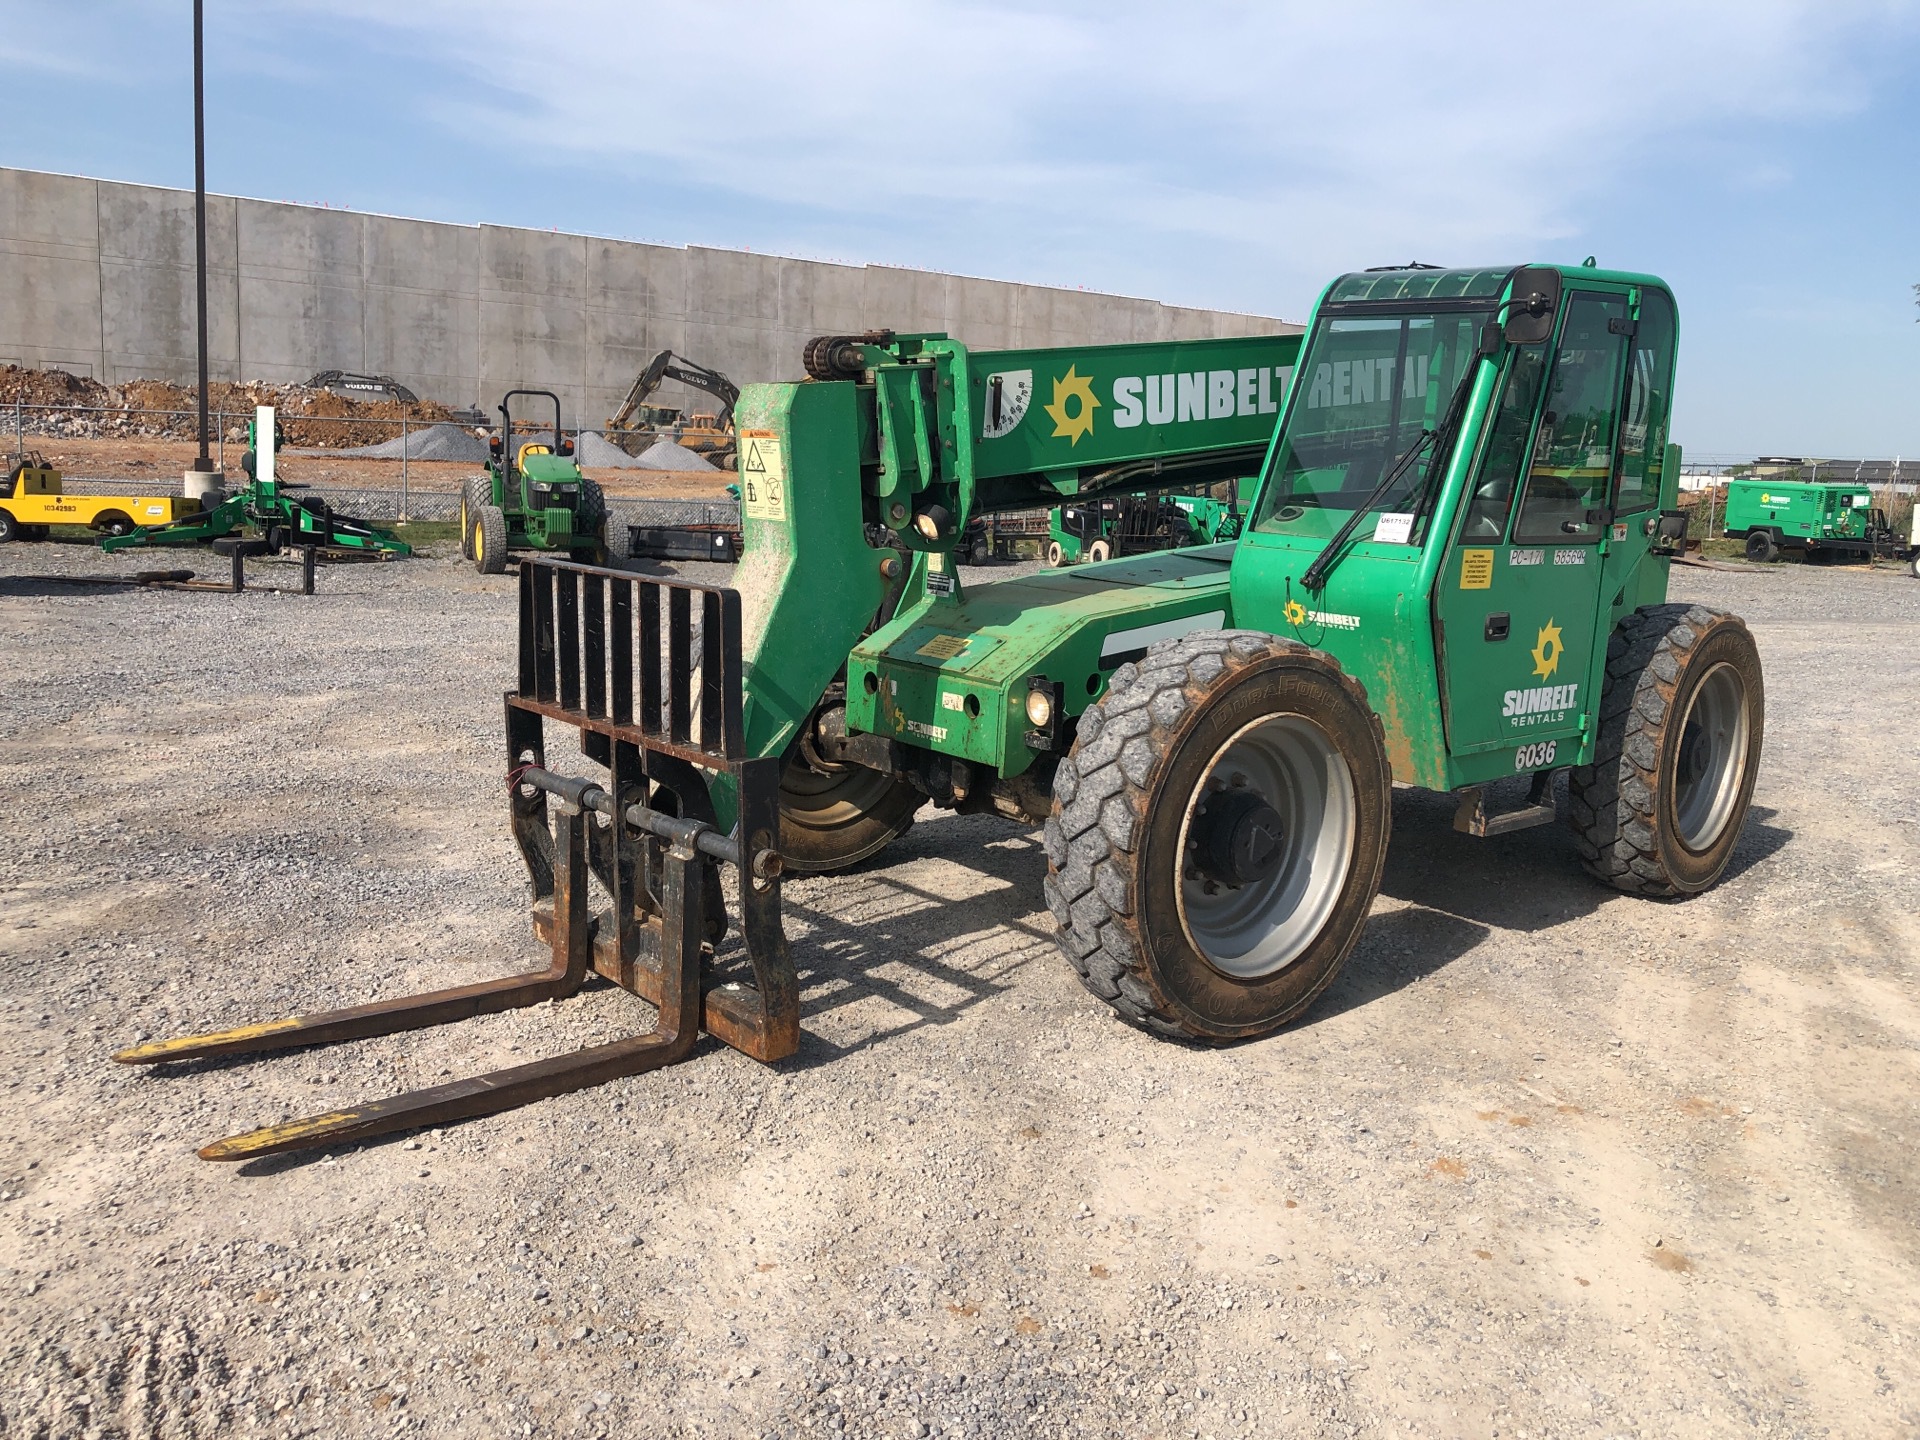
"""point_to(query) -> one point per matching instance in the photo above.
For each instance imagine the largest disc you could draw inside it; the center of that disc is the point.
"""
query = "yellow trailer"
(33, 500)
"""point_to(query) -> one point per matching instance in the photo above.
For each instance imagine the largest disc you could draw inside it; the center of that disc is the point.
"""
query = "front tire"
(1054, 556)
(490, 541)
(590, 519)
(1099, 551)
(474, 492)
(9, 527)
(1218, 834)
(830, 821)
(1682, 718)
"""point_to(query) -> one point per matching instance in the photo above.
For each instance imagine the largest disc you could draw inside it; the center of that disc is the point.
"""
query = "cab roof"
(1393, 284)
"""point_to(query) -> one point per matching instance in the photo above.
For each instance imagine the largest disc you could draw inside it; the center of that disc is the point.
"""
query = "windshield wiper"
(1316, 574)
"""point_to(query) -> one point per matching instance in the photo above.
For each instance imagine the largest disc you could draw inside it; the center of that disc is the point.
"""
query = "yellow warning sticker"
(1476, 569)
(763, 475)
(944, 647)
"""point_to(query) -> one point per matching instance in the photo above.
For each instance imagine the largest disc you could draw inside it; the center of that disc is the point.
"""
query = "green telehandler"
(1454, 571)
(532, 496)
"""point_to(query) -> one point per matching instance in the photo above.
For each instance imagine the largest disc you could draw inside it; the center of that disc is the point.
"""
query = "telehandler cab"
(1454, 570)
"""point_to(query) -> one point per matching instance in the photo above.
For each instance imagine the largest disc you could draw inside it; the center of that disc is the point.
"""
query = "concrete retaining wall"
(96, 277)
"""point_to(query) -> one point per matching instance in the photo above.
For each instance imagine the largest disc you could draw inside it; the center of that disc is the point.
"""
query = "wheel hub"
(1238, 838)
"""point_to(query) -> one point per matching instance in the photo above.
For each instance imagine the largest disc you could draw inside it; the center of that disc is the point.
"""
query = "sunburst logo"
(1073, 406)
(1296, 613)
(1546, 650)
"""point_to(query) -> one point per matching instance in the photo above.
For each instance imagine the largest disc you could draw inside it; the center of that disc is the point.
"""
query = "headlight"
(1039, 709)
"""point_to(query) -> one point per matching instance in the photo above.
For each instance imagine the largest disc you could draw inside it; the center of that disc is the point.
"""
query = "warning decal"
(1476, 569)
(763, 475)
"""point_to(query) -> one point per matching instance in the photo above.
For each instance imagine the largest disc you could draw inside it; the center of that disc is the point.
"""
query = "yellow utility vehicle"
(33, 501)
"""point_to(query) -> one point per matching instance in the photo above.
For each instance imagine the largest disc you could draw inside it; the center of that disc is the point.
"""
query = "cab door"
(1517, 596)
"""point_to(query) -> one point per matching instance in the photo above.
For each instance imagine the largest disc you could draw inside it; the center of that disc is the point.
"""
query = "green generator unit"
(1820, 519)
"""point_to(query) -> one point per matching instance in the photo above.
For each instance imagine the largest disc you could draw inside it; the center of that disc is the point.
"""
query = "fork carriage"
(649, 672)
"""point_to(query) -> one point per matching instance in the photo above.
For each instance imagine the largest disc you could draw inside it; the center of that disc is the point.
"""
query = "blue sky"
(1760, 155)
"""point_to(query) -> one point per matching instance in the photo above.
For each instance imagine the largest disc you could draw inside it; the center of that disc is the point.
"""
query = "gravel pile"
(1544, 1160)
(595, 452)
(435, 442)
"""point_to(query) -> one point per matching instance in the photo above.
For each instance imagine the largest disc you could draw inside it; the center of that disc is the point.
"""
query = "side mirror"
(1530, 310)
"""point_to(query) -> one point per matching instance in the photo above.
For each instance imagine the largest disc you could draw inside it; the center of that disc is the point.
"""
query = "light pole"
(202, 478)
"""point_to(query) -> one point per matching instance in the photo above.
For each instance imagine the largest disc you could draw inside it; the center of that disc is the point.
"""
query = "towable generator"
(1454, 571)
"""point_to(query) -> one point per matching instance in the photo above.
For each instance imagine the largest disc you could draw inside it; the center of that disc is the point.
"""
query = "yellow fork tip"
(185, 1046)
(271, 1139)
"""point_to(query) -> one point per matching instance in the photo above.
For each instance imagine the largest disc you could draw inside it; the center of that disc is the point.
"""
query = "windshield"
(1366, 389)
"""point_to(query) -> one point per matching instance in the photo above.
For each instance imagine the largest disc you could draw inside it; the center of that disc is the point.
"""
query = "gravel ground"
(1545, 1161)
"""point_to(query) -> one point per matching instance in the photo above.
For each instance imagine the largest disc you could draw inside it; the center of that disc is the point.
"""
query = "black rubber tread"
(1102, 793)
(590, 518)
(492, 549)
(1760, 547)
(9, 527)
(475, 491)
(1615, 803)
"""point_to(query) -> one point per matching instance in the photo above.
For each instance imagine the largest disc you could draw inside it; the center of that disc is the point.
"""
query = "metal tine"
(732, 685)
(620, 652)
(712, 699)
(679, 663)
(567, 625)
(543, 582)
(672, 1040)
(593, 635)
(651, 721)
(529, 661)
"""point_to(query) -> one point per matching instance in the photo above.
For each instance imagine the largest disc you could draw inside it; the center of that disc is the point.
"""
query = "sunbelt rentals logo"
(1131, 401)
(1073, 405)
(1542, 704)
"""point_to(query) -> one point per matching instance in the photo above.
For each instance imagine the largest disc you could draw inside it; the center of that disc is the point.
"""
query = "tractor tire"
(590, 518)
(1053, 557)
(474, 492)
(1218, 834)
(1682, 717)
(490, 541)
(9, 527)
(1098, 551)
(1760, 547)
(113, 523)
(829, 822)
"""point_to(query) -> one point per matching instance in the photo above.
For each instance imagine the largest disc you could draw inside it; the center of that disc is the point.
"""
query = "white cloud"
(1300, 137)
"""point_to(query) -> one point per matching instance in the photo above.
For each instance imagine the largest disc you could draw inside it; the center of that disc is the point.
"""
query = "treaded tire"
(9, 528)
(1121, 801)
(1760, 547)
(475, 491)
(1623, 805)
(590, 518)
(490, 541)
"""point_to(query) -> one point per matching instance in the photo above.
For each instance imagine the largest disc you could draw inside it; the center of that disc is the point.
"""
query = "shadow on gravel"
(1761, 841)
(44, 587)
(1396, 950)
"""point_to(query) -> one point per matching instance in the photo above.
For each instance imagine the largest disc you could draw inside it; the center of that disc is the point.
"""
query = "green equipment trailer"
(1098, 530)
(1454, 571)
(532, 496)
(1821, 519)
(285, 521)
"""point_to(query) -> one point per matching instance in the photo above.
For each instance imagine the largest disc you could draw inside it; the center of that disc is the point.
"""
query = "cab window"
(1643, 428)
(1572, 467)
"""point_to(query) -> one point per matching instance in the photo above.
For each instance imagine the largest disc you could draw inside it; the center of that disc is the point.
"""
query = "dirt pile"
(58, 404)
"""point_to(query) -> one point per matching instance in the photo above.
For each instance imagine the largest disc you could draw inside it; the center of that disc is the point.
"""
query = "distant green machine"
(1453, 572)
(284, 521)
(1097, 530)
(1822, 519)
(532, 496)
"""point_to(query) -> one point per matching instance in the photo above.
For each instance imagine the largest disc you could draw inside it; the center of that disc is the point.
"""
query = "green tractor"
(1453, 573)
(532, 496)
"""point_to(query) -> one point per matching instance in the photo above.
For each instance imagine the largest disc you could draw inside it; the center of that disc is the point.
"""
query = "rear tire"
(490, 541)
(590, 519)
(474, 492)
(1053, 557)
(113, 523)
(831, 821)
(9, 527)
(1218, 834)
(1682, 718)
(1098, 551)
(1760, 547)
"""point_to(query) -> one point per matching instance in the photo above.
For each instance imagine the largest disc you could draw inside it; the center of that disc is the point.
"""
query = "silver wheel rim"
(1712, 759)
(1259, 929)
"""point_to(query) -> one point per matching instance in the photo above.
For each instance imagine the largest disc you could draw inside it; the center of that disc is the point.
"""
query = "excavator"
(638, 423)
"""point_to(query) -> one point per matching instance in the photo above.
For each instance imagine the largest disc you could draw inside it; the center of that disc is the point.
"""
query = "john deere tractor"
(1453, 572)
(532, 496)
